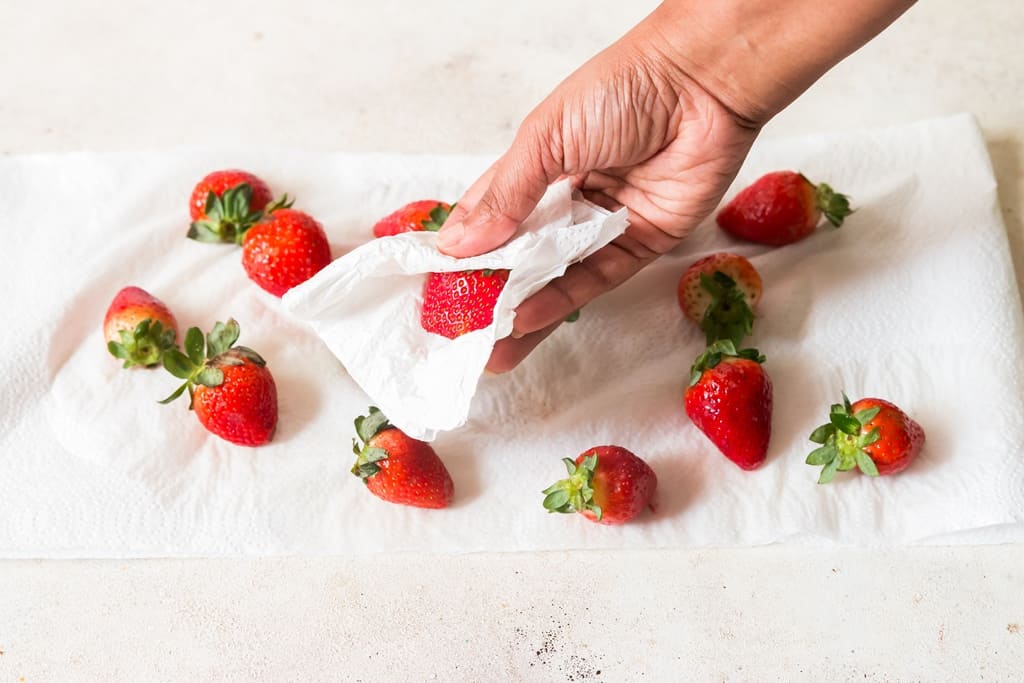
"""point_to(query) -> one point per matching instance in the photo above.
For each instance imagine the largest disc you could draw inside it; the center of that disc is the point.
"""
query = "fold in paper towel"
(366, 308)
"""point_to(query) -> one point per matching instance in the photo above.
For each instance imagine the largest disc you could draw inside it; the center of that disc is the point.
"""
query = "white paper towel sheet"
(422, 381)
(913, 300)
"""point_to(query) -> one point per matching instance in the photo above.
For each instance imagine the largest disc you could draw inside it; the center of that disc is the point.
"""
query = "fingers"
(488, 215)
(605, 269)
(510, 352)
(542, 313)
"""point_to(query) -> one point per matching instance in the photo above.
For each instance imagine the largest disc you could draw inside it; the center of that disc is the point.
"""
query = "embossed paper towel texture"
(913, 299)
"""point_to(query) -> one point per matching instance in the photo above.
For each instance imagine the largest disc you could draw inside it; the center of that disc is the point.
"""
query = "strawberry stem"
(438, 215)
(713, 355)
(576, 492)
(835, 206)
(843, 441)
(367, 456)
(728, 316)
(145, 345)
(228, 216)
(199, 363)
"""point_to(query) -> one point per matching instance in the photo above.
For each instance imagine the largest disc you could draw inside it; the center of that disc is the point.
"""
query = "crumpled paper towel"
(914, 299)
(365, 306)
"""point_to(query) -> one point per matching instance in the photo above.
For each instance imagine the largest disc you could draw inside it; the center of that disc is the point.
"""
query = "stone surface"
(445, 76)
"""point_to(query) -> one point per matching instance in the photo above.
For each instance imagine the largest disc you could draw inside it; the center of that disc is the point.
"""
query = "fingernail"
(450, 235)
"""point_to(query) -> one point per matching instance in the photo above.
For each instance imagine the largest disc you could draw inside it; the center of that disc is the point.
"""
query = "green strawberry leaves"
(366, 464)
(835, 206)
(221, 338)
(194, 345)
(230, 215)
(198, 364)
(283, 202)
(576, 492)
(368, 426)
(728, 316)
(716, 352)
(178, 364)
(367, 456)
(843, 440)
(438, 215)
(145, 345)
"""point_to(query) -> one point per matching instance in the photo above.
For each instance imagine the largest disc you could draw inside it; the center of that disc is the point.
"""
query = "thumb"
(494, 206)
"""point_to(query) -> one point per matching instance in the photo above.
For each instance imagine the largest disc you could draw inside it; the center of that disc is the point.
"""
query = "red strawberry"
(460, 302)
(285, 250)
(730, 400)
(138, 327)
(225, 204)
(606, 484)
(781, 208)
(719, 292)
(397, 468)
(425, 214)
(871, 435)
(230, 387)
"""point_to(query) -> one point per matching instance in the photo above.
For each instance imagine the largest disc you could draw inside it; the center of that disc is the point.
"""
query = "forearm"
(757, 56)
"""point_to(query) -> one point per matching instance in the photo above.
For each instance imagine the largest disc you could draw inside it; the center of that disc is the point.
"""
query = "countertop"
(448, 77)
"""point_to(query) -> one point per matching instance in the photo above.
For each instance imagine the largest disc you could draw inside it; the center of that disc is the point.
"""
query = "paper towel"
(913, 299)
(365, 306)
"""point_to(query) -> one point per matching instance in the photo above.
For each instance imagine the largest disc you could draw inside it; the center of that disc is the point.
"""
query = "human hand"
(635, 127)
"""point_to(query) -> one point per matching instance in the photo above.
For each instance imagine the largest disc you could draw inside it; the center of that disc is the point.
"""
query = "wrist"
(756, 57)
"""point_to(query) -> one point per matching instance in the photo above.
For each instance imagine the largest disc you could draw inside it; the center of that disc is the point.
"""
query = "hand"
(632, 130)
(633, 127)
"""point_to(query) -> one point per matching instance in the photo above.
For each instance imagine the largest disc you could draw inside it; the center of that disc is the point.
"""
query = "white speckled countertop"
(443, 76)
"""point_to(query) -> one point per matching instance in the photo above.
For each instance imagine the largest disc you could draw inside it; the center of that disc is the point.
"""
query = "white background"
(457, 77)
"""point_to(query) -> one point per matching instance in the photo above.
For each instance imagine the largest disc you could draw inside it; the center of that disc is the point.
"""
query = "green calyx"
(145, 345)
(576, 492)
(229, 216)
(834, 205)
(716, 353)
(367, 456)
(843, 441)
(438, 215)
(728, 316)
(573, 317)
(204, 357)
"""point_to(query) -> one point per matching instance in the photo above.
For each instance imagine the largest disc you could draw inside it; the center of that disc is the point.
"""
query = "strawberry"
(730, 399)
(425, 214)
(230, 387)
(871, 435)
(719, 292)
(606, 484)
(397, 468)
(781, 208)
(138, 327)
(460, 302)
(225, 204)
(285, 250)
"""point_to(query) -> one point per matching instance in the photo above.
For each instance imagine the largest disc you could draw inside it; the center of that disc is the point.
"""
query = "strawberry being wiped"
(459, 302)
